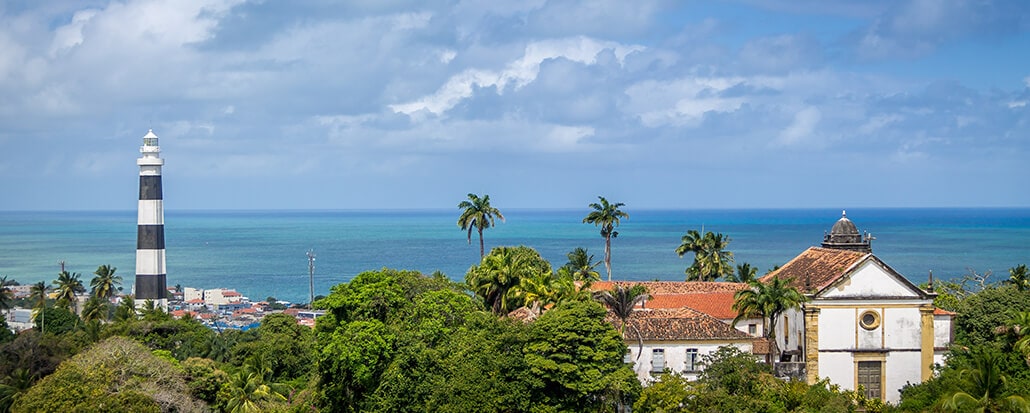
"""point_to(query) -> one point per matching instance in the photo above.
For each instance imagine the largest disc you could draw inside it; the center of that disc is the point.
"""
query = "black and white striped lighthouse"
(150, 228)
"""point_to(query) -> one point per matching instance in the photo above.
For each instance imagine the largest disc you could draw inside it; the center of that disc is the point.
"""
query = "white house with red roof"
(865, 325)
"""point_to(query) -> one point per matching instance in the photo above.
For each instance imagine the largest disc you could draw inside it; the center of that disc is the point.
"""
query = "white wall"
(675, 355)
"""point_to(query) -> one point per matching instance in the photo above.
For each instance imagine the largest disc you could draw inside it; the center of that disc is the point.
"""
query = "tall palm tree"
(500, 271)
(711, 260)
(105, 283)
(38, 294)
(621, 301)
(582, 265)
(94, 310)
(479, 215)
(607, 216)
(983, 388)
(1019, 277)
(767, 300)
(68, 285)
(5, 294)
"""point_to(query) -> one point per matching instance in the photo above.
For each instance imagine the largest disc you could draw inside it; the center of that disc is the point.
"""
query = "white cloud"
(517, 73)
(681, 102)
(801, 128)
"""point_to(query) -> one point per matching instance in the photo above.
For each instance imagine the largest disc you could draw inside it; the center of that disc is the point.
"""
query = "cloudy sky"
(540, 104)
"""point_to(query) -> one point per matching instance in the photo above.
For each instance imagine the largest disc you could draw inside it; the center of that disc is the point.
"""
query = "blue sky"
(540, 104)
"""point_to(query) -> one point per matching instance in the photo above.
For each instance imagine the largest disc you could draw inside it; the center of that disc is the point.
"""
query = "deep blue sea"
(262, 253)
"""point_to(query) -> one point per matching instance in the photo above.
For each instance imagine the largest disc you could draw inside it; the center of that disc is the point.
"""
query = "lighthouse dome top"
(150, 139)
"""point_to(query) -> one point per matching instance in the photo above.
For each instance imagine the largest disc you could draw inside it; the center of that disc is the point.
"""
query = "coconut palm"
(38, 294)
(711, 261)
(249, 390)
(126, 309)
(537, 292)
(5, 294)
(479, 215)
(983, 388)
(582, 265)
(500, 271)
(607, 216)
(621, 301)
(745, 274)
(767, 300)
(68, 285)
(1019, 277)
(95, 309)
(105, 283)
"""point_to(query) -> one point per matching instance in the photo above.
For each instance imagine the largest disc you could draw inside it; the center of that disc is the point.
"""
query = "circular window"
(869, 320)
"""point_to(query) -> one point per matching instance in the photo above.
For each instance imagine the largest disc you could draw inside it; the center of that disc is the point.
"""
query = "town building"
(864, 325)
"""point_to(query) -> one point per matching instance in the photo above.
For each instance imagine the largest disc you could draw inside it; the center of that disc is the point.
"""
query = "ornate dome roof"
(844, 226)
(845, 235)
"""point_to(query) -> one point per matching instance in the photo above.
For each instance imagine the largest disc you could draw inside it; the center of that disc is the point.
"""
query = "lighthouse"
(150, 227)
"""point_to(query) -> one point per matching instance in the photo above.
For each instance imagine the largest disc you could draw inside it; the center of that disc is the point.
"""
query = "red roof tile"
(941, 311)
(816, 268)
(679, 324)
(718, 304)
(672, 287)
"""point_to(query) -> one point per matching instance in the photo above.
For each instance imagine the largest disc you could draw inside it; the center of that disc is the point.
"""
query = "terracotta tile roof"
(816, 268)
(672, 287)
(195, 301)
(680, 324)
(523, 314)
(941, 311)
(717, 304)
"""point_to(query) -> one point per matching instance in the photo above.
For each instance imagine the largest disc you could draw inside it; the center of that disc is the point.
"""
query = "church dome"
(845, 235)
(844, 226)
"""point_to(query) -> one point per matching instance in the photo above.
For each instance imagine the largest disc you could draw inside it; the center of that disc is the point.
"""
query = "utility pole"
(311, 278)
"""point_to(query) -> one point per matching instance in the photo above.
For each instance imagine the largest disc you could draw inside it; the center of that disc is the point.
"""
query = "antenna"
(311, 278)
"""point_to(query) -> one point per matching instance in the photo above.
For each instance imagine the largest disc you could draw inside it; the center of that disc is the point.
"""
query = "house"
(864, 324)
(680, 323)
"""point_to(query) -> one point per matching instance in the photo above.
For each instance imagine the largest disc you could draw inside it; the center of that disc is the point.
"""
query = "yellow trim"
(811, 345)
(926, 348)
(864, 305)
(882, 358)
(883, 331)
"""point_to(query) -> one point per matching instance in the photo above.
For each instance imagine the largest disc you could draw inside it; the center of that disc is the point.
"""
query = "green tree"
(582, 265)
(745, 274)
(105, 283)
(14, 386)
(56, 320)
(578, 356)
(607, 216)
(1019, 277)
(983, 388)
(249, 391)
(5, 295)
(622, 301)
(767, 300)
(38, 295)
(980, 314)
(204, 378)
(478, 214)
(501, 271)
(95, 309)
(711, 260)
(68, 285)
(126, 310)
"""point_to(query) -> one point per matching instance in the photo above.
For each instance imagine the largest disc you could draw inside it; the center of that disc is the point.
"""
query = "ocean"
(263, 253)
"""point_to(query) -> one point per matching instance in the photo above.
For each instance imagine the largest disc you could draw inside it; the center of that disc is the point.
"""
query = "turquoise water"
(262, 253)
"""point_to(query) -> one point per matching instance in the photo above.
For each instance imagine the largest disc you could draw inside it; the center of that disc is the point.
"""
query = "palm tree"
(68, 285)
(1019, 328)
(126, 309)
(537, 292)
(983, 388)
(621, 301)
(500, 271)
(249, 390)
(94, 310)
(711, 261)
(606, 216)
(745, 274)
(5, 294)
(1019, 277)
(105, 283)
(38, 294)
(582, 265)
(767, 300)
(478, 214)
(13, 386)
